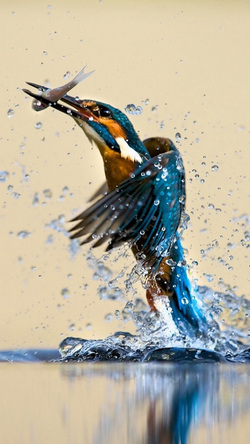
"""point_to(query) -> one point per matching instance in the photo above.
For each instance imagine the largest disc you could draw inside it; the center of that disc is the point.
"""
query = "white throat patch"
(127, 152)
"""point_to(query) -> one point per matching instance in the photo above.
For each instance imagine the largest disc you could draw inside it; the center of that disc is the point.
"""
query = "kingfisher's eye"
(104, 112)
(100, 111)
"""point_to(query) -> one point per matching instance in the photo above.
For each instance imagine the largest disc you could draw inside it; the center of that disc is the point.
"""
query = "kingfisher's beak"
(40, 87)
(76, 110)
(83, 112)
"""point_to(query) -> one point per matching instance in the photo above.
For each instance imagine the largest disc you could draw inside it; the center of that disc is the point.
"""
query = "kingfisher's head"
(108, 127)
(103, 124)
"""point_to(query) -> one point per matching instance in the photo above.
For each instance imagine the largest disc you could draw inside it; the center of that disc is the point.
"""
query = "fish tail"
(80, 77)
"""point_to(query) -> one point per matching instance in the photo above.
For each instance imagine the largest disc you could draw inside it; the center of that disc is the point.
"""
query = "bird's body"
(146, 198)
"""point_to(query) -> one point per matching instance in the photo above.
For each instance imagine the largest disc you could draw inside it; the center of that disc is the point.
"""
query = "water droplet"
(178, 137)
(214, 168)
(66, 75)
(35, 201)
(10, 113)
(247, 235)
(38, 125)
(61, 218)
(156, 202)
(47, 193)
(4, 176)
(65, 293)
(108, 317)
(154, 109)
(103, 273)
(88, 326)
(45, 53)
(170, 262)
(23, 234)
(184, 301)
(132, 109)
(15, 195)
(72, 327)
(103, 292)
(50, 239)
(211, 206)
(209, 277)
(117, 294)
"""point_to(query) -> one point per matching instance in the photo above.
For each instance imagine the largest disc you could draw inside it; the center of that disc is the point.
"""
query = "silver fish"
(57, 93)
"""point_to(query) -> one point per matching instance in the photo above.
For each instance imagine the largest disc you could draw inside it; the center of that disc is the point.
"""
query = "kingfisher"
(144, 203)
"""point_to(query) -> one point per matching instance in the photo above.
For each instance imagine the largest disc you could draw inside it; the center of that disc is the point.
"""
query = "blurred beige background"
(191, 60)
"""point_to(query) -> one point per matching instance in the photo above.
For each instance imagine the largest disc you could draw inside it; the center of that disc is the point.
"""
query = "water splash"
(158, 339)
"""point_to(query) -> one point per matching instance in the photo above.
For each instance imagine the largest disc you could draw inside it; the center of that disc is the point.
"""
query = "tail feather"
(187, 309)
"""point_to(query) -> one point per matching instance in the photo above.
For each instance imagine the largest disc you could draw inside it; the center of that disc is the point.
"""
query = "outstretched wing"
(146, 208)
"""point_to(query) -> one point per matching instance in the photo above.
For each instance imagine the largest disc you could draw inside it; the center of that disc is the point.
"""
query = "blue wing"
(145, 209)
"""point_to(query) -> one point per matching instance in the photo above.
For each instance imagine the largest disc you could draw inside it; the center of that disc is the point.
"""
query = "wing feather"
(144, 209)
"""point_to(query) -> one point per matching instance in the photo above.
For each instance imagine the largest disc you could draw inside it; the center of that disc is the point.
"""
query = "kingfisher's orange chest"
(117, 168)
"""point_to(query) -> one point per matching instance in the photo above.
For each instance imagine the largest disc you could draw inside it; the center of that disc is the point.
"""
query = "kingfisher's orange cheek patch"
(114, 128)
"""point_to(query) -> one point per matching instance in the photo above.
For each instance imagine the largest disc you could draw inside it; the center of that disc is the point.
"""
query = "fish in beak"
(49, 97)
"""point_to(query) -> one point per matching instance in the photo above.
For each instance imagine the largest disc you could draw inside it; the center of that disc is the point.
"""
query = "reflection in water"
(157, 403)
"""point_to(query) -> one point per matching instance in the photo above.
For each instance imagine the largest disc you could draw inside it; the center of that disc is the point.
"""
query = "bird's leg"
(153, 292)
(158, 285)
